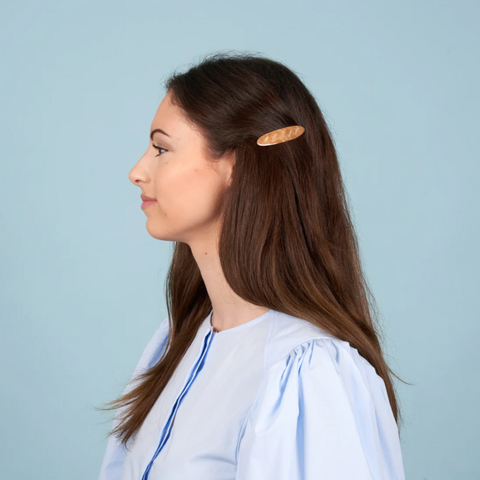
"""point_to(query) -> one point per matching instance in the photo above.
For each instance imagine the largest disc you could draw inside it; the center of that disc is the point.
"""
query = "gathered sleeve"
(322, 413)
(115, 452)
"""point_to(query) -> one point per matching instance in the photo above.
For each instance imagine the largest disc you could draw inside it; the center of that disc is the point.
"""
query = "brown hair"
(287, 240)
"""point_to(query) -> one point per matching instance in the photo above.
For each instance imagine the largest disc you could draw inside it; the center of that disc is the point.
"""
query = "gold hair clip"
(281, 135)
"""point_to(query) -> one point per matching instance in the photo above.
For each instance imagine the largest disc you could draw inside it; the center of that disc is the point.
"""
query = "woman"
(269, 364)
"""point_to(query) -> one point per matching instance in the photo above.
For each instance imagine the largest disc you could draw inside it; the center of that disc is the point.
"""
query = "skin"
(188, 189)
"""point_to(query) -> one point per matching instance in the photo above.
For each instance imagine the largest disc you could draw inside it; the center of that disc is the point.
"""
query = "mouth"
(147, 201)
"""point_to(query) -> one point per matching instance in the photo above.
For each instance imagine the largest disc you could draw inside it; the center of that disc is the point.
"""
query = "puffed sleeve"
(115, 452)
(322, 413)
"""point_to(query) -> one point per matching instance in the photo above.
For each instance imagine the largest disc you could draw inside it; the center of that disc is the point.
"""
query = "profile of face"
(187, 187)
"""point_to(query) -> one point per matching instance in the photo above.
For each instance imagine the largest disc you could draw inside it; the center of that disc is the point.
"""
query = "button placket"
(194, 370)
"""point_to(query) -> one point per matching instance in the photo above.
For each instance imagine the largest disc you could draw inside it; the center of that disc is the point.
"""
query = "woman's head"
(213, 115)
(285, 237)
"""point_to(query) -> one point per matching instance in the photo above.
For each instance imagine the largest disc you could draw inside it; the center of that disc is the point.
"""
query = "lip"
(147, 199)
(145, 205)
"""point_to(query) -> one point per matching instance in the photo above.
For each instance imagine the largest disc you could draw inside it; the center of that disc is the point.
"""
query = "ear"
(230, 159)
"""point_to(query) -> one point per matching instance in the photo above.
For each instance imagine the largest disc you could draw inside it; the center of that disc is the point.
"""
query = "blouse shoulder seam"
(318, 337)
(308, 340)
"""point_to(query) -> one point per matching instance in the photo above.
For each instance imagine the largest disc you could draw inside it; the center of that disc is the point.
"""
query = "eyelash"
(159, 148)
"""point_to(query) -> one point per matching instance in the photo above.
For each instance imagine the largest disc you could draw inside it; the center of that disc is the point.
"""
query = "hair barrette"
(281, 135)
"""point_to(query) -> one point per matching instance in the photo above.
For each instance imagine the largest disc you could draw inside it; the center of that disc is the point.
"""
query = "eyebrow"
(159, 130)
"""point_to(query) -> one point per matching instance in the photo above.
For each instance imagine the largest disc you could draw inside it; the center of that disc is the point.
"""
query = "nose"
(137, 173)
(132, 177)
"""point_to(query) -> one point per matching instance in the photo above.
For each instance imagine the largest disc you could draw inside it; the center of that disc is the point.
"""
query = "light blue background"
(82, 282)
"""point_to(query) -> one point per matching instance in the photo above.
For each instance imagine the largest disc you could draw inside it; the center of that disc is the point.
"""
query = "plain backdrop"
(82, 281)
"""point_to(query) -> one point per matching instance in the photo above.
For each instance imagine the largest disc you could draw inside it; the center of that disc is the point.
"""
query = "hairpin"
(281, 135)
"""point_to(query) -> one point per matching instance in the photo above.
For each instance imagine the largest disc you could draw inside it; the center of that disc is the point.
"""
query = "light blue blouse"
(276, 398)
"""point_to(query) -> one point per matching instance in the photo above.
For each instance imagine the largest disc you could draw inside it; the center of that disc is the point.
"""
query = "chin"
(156, 231)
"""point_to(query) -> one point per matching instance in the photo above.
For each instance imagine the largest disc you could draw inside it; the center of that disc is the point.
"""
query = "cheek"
(187, 195)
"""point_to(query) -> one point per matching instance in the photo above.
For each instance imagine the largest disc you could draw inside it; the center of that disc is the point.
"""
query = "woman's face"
(186, 187)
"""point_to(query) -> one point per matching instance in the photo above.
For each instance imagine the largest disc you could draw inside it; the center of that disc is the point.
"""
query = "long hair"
(287, 241)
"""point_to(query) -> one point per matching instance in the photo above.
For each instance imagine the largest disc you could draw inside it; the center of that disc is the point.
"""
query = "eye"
(159, 148)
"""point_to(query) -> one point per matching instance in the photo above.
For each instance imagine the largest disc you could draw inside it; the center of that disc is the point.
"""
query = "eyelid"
(159, 148)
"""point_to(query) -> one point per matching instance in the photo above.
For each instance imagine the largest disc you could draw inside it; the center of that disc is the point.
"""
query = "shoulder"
(298, 349)
(319, 402)
(289, 334)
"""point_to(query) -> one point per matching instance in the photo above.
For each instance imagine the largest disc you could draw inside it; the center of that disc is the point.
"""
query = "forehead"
(171, 119)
